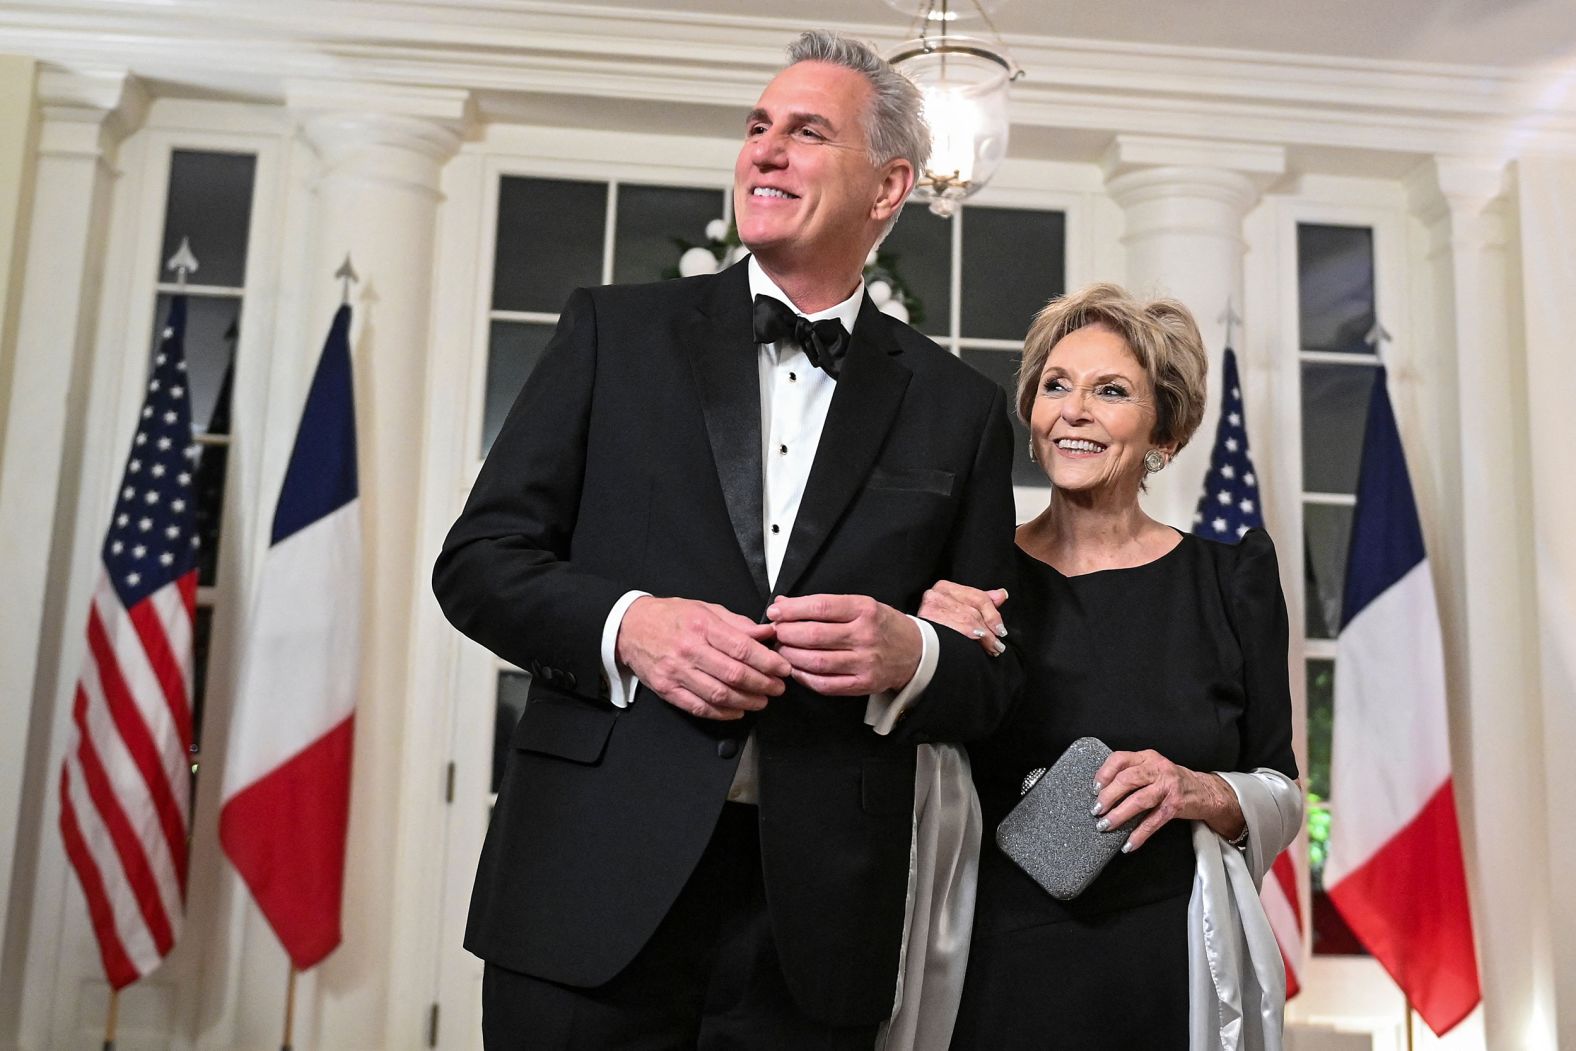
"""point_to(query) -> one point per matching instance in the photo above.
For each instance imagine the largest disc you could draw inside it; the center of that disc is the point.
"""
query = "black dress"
(1185, 655)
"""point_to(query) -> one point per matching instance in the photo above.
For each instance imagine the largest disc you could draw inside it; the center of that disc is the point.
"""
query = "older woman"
(1172, 650)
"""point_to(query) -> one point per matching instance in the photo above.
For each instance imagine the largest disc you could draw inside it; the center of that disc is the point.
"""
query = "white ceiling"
(1504, 33)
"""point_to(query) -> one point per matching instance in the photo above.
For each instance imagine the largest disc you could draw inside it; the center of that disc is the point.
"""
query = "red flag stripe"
(133, 729)
(133, 861)
(168, 725)
(117, 964)
(285, 834)
(1423, 939)
(97, 730)
(168, 666)
(1286, 918)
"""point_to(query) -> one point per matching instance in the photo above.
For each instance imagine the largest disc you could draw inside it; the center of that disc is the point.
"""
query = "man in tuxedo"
(700, 528)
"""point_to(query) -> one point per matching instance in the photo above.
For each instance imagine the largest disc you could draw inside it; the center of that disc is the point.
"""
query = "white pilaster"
(382, 154)
(1184, 201)
(1544, 189)
(1486, 571)
(83, 119)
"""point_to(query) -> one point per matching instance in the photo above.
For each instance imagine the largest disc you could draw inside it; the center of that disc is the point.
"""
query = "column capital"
(1457, 186)
(86, 113)
(1141, 169)
(392, 132)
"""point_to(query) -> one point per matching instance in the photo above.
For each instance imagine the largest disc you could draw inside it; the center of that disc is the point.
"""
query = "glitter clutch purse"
(1050, 833)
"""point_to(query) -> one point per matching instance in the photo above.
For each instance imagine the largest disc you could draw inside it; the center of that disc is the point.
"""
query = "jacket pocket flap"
(567, 729)
(911, 479)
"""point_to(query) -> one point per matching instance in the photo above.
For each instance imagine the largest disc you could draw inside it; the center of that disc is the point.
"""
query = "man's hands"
(846, 645)
(700, 657)
(713, 663)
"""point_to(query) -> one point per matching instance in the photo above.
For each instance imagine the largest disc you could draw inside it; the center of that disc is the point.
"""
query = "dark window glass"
(1321, 710)
(512, 689)
(919, 252)
(513, 349)
(202, 644)
(1334, 417)
(211, 467)
(1014, 261)
(550, 240)
(210, 203)
(1335, 287)
(651, 222)
(1002, 366)
(212, 327)
(1327, 530)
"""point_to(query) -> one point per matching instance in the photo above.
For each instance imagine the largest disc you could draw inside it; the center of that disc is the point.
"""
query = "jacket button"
(567, 678)
(727, 748)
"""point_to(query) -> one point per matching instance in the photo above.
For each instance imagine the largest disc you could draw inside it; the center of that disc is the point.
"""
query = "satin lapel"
(722, 354)
(869, 392)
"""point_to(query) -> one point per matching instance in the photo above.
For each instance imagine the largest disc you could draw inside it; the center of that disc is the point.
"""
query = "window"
(209, 204)
(553, 236)
(1336, 316)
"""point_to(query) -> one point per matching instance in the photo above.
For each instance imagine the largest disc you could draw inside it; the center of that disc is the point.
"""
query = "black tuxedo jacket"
(632, 460)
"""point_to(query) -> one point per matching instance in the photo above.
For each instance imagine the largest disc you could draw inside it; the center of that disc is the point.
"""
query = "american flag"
(1229, 505)
(1227, 509)
(125, 785)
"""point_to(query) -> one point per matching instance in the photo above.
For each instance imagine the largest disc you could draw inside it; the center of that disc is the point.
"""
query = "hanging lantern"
(964, 81)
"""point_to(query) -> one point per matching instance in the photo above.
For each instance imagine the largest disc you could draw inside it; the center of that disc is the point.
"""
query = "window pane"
(550, 234)
(1335, 287)
(1327, 530)
(1334, 417)
(512, 689)
(1321, 702)
(651, 219)
(209, 202)
(919, 253)
(1002, 366)
(513, 349)
(211, 465)
(212, 327)
(202, 639)
(1014, 261)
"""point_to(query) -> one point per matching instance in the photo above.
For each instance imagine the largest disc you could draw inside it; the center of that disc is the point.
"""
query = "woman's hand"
(1130, 783)
(967, 610)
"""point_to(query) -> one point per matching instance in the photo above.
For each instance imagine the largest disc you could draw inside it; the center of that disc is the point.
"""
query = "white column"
(1545, 189)
(1485, 569)
(83, 120)
(1184, 201)
(382, 151)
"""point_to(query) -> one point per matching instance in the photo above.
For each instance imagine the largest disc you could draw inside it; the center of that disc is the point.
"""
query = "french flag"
(1394, 867)
(287, 770)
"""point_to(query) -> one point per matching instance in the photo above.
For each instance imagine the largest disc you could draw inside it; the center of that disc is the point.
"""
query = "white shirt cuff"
(884, 708)
(621, 682)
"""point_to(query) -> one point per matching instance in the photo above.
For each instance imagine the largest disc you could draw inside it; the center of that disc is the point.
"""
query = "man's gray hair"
(895, 126)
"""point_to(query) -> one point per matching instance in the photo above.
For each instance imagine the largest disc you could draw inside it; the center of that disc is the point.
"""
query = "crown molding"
(506, 49)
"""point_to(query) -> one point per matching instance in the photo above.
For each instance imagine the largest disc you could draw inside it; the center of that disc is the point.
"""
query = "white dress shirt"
(795, 397)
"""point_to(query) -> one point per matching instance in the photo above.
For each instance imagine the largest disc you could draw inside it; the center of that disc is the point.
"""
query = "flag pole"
(289, 1008)
(1409, 1013)
(109, 1022)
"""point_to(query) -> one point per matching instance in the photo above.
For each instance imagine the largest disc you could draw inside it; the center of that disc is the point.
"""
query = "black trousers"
(708, 979)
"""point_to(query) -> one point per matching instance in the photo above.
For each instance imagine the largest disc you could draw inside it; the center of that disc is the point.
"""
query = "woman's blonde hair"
(1160, 333)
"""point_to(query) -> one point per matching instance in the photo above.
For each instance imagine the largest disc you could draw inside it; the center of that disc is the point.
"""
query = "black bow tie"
(824, 342)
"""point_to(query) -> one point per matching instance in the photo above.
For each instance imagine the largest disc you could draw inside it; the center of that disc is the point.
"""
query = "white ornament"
(870, 260)
(880, 292)
(697, 261)
(895, 308)
(716, 230)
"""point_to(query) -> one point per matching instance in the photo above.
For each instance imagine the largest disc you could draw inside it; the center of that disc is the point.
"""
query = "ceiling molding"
(505, 48)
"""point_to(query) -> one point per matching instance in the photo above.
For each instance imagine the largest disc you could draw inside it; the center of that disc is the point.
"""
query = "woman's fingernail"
(1099, 785)
(1000, 648)
(1103, 824)
(1097, 810)
(1001, 631)
(1128, 848)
